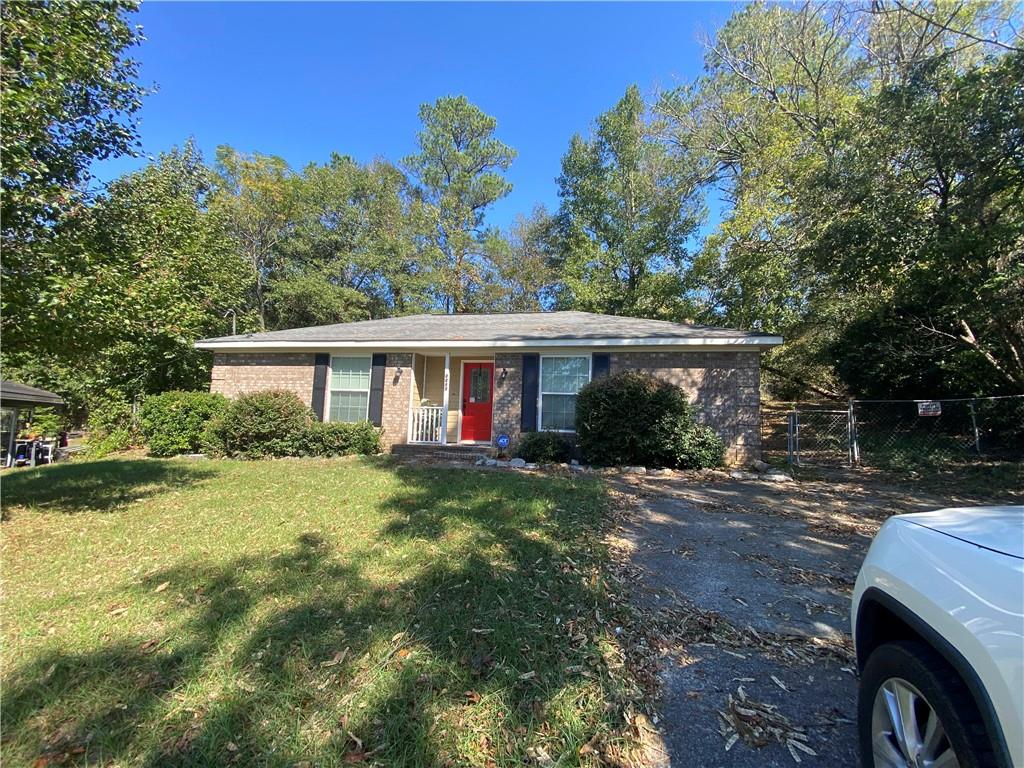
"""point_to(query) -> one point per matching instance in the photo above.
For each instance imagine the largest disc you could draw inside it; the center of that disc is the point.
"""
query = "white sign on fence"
(929, 408)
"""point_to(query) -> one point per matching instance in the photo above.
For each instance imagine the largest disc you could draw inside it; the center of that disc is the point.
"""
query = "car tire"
(913, 666)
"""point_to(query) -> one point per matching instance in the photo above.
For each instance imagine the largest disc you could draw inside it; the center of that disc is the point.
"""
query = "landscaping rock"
(635, 470)
(578, 468)
(740, 474)
(517, 463)
(530, 466)
(760, 466)
(659, 471)
(574, 463)
(501, 463)
(777, 477)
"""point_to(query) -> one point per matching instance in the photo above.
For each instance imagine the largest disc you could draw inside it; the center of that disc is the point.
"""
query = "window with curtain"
(560, 379)
(350, 388)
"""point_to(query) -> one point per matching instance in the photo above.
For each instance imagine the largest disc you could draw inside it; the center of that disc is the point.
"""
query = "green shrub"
(174, 422)
(111, 424)
(624, 419)
(338, 439)
(100, 444)
(693, 446)
(544, 448)
(635, 418)
(47, 422)
(259, 424)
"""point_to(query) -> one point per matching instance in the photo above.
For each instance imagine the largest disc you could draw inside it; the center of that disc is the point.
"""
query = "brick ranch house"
(466, 379)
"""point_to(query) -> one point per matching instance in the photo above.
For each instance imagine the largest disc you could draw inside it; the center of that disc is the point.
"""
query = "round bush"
(626, 418)
(544, 448)
(635, 418)
(259, 424)
(173, 422)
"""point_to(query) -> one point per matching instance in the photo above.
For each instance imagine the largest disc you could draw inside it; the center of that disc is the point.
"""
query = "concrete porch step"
(454, 452)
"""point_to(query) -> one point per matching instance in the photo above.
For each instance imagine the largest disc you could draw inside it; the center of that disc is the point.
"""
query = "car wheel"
(914, 711)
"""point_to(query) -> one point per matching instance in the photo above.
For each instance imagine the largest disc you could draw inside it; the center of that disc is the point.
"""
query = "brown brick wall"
(238, 373)
(723, 386)
(397, 390)
(508, 395)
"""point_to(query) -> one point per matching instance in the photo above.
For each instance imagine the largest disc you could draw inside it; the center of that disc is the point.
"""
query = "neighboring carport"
(14, 399)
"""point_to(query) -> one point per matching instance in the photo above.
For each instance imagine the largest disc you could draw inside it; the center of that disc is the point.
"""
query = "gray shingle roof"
(15, 394)
(490, 328)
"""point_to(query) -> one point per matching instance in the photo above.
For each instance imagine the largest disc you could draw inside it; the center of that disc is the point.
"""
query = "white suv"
(938, 621)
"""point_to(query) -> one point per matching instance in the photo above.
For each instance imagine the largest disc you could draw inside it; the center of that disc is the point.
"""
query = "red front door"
(477, 386)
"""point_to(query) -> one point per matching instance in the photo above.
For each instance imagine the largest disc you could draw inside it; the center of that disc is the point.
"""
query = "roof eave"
(235, 345)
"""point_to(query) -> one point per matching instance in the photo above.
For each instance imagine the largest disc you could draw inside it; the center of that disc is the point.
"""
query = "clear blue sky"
(303, 80)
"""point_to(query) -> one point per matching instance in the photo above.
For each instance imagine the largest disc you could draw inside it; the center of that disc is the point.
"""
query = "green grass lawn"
(294, 613)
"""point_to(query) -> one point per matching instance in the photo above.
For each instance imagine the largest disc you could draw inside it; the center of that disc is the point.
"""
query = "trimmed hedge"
(334, 438)
(276, 423)
(259, 424)
(544, 448)
(634, 418)
(173, 422)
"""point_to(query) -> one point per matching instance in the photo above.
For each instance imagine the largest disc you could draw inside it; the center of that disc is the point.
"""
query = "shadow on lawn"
(470, 653)
(97, 486)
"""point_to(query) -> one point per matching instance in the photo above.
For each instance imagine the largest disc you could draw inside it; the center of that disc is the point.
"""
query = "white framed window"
(349, 389)
(560, 379)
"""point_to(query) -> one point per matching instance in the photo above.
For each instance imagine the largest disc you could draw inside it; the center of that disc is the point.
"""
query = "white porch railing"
(428, 424)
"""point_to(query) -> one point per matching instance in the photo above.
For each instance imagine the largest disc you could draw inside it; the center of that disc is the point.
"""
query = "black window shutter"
(321, 364)
(600, 364)
(378, 364)
(531, 385)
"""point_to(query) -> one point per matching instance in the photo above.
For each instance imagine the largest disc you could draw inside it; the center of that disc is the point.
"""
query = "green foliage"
(111, 425)
(259, 201)
(520, 267)
(870, 218)
(458, 167)
(334, 438)
(692, 446)
(635, 418)
(140, 276)
(544, 448)
(311, 298)
(68, 90)
(258, 425)
(48, 422)
(174, 422)
(628, 206)
(364, 228)
(923, 214)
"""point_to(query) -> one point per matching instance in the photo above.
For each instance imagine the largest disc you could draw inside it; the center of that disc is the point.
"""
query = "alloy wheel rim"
(906, 732)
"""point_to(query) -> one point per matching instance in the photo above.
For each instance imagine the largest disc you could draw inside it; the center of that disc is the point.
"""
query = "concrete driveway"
(745, 588)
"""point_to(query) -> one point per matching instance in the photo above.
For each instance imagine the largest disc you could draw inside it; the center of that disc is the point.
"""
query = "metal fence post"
(974, 426)
(854, 442)
(789, 437)
(796, 437)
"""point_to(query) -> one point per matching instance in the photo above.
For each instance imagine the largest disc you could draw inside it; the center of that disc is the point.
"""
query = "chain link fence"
(897, 433)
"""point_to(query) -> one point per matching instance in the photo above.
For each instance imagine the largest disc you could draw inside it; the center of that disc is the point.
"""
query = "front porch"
(451, 400)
